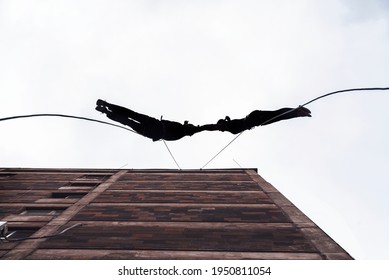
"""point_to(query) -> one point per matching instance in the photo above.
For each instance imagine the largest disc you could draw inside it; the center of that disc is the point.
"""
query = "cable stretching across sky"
(305, 104)
(168, 130)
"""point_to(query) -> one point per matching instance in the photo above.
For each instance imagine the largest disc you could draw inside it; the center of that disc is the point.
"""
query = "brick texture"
(156, 214)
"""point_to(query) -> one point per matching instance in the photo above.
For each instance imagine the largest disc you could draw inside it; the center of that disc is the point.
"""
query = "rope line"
(81, 118)
(4, 237)
(346, 90)
(167, 147)
(66, 116)
(236, 137)
(287, 112)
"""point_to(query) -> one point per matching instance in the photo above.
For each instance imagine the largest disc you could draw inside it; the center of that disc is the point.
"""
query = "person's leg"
(257, 118)
(126, 121)
(119, 110)
(104, 106)
(143, 124)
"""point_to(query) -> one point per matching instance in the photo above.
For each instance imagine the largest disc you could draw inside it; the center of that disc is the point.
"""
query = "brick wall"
(155, 214)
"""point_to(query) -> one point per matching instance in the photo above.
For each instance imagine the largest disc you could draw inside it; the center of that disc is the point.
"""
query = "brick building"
(153, 214)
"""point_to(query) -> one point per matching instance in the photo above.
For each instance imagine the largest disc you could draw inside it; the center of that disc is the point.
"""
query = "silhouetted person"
(149, 126)
(257, 118)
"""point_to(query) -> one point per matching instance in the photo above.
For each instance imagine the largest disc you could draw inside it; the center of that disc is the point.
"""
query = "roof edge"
(101, 170)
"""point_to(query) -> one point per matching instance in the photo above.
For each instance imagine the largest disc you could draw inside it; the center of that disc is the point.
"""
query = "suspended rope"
(309, 102)
(345, 90)
(171, 154)
(236, 137)
(325, 95)
(81, 118)
(65, 116)
(7, 239)
(225, 147)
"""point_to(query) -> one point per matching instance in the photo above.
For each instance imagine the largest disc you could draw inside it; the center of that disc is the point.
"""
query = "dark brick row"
(184, 197)
(208, 186)
(195, 213)
(181, 238)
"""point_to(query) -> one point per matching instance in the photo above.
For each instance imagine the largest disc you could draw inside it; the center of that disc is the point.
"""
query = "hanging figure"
(257, 118)
(149, 126)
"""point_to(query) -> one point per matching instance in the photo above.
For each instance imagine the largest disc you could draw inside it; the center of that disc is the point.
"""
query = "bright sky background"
(200, 61)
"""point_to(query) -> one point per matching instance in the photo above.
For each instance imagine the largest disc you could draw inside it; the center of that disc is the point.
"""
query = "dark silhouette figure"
(149, 126)
(170, 130)
(257, 118)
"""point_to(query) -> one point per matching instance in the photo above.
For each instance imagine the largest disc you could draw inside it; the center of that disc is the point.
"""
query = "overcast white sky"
(200, 61)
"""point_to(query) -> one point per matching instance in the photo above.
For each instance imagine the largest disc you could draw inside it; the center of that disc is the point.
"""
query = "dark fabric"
(149, 126)
(143, 124)
(171, 130)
